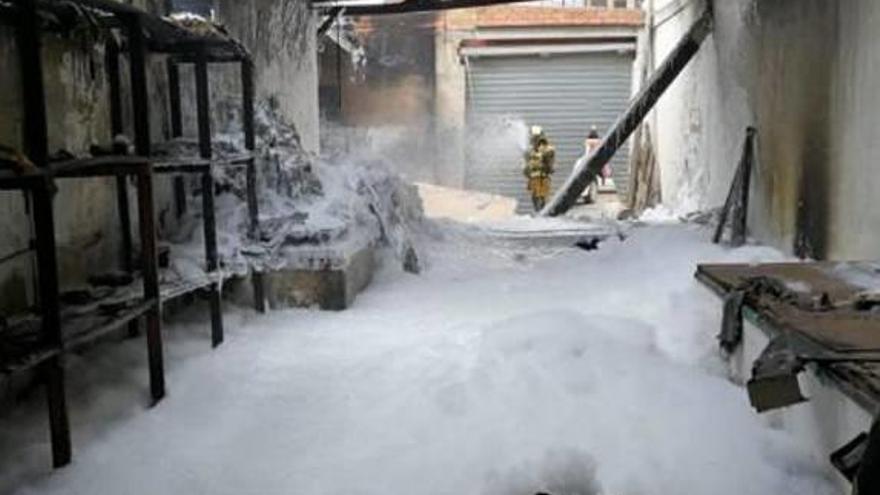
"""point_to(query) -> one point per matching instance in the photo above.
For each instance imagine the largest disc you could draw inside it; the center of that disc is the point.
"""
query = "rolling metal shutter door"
(564, 93)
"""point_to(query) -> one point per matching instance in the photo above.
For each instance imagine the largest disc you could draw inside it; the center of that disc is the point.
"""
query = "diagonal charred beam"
(332, 15)
(627, 123)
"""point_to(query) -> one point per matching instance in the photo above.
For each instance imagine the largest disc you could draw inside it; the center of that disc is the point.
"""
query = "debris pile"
(314, 212)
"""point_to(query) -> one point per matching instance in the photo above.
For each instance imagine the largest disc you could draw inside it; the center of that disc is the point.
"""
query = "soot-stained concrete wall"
(385, 102)
(803, 73)
(78, 116)
(279, 33)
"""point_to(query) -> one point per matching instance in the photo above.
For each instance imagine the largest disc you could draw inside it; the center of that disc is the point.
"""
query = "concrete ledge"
(330, 288)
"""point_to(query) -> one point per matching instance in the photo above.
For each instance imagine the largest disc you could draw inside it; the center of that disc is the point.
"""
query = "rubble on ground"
(314, 212)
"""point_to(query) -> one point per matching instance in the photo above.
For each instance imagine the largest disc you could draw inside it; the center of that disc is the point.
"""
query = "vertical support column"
(247, 85)
(50, 309)
(146, 221)
(116, 125)
(210, 226)
(36, 135)
(137, 55)
(176, 131)
(139, 97)
(174, 98)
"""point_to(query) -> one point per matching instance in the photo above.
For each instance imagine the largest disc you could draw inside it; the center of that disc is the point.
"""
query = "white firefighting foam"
(498, 371)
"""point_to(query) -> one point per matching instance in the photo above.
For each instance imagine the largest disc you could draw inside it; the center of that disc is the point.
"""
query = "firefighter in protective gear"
(540, 159)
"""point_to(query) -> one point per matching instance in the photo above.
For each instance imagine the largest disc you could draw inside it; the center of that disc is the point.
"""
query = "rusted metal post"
(247, 85)
(137, 52)
(627, 123)
(116, 125)
(50, 309)
(150, 273)
(176, 130)
(36, 136)
(209, 221)
(174, 98)
(36, 139)
(137, 56)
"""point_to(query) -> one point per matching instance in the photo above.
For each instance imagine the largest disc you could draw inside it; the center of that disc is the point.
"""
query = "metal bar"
(247, 85)
(203, 113)
(150, 272)
(210, 227)
(108, 326)
(139, 95)
(214, 58)
(179, 186)
(247, 90)
(113, 77)
(660, 81)
(116, 125)
(15, 254)
(50, 309)
(36, 135)
(174, 98)
(176, 131)
(209, 221)
(36, 138)
(124, 223)
(137, 50)
(182, 168)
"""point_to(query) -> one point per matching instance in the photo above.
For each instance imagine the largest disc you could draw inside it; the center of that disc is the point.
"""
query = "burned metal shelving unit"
(149, 34)
(42, 338)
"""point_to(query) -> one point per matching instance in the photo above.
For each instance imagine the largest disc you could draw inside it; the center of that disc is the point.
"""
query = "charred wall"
(279, 33)
(396, 84)
(391, 95)
(77, 100)
(772, 65)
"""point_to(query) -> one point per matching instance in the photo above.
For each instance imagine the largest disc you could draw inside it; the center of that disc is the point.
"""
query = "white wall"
(855, 133)
(281, 36)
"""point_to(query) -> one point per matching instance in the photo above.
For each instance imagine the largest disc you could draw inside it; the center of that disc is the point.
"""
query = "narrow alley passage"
(566, 385)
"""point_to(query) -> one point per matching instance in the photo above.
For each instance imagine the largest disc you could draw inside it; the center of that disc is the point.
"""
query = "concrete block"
(333, 288)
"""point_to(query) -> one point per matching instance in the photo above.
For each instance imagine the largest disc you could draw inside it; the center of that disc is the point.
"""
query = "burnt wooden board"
(843, 328)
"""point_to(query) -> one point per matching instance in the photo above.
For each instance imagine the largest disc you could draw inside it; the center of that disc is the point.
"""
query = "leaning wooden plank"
(737, 201)
(728, 203)
(740, 217)
(626, 124)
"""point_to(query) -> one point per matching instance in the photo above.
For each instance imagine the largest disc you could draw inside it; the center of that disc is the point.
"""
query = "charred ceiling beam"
(411, 6)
